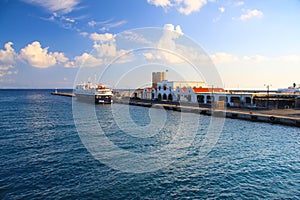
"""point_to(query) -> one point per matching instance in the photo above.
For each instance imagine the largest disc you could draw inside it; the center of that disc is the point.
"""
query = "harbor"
(289, 117)
(280, 106)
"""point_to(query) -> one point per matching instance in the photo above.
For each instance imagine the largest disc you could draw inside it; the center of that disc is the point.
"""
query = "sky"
(251, 43)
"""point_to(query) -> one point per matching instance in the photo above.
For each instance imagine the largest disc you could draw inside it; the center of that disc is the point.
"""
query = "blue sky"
(251, 43)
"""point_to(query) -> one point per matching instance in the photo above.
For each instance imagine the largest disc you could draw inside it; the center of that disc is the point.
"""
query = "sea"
(55, 147)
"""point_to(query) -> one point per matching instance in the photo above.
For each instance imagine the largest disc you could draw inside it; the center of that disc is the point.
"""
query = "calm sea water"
(42, 156)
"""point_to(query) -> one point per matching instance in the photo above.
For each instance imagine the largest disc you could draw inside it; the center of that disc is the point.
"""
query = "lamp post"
(268, 94)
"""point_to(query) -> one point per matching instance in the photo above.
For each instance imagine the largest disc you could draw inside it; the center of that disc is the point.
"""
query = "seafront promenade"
(290, 117)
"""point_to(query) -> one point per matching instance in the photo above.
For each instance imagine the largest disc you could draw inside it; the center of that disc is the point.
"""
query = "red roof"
(184, 89)
(206, 90)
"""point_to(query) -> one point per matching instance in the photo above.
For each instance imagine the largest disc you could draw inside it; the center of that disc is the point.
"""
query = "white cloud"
(239, 3)
(60, 57)
(148, 56)
(223, 57)
(101, 37)
(84, 34)
(85, 59)
(136, 38)
(183, 6)
(39, 57)
(222, 9)
(251, 14)
(65, 6)
(105, 51)
(8, 58)
(33, 53)
(174, 29)
(162, 3)
(189, 6)
(6, 72)
(92, 23)
(108, 26)
(68, 19)
(167, 47)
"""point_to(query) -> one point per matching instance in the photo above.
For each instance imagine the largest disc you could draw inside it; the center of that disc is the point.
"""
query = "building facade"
(195, 92)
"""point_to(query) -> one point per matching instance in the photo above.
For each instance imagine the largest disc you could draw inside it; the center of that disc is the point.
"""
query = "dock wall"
(233, 114)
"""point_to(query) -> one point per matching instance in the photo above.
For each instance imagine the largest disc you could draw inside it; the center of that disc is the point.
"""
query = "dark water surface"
(43, 157)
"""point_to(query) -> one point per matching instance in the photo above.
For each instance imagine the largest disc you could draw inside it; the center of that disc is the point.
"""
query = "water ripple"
(42, 157)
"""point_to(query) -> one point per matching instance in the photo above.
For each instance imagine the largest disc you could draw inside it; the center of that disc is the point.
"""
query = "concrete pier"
(290, 117)
(67, 94)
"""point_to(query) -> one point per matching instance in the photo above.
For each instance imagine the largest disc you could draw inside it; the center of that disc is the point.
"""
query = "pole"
(268, 94)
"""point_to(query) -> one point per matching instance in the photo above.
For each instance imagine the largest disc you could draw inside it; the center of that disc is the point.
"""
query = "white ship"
(93, 93)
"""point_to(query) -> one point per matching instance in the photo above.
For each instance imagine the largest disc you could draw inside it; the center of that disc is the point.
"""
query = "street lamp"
(268, 94)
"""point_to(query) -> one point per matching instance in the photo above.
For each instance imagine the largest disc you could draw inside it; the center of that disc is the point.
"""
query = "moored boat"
(98, 94)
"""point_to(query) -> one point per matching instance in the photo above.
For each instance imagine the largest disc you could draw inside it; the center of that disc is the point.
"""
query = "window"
(223, 98)
(210, 99)
(248, 100)
(189, 97)
(165, 87)
(235, 100)
(170, 97)
(200, 98)
(164, 97)
(159, 97)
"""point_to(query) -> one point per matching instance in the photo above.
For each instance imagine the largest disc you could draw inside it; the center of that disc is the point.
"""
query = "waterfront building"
(195, 92)
(149, 94)
(167, 90)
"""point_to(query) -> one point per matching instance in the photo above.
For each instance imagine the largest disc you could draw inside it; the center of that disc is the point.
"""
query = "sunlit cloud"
(252, 14)
(101, 37)
(62, 7)
(167, 42)
(222, 9)
(185, 7)
(8, 58)
(39, 57)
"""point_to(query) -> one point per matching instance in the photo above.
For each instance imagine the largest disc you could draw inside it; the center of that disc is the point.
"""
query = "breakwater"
(279, 116)
(67, 94)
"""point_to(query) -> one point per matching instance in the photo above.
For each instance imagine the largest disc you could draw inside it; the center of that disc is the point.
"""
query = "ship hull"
(94, 98)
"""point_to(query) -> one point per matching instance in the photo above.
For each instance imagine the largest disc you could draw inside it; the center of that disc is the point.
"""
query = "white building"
(149, 93)
(195, 92)
(168, 90)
